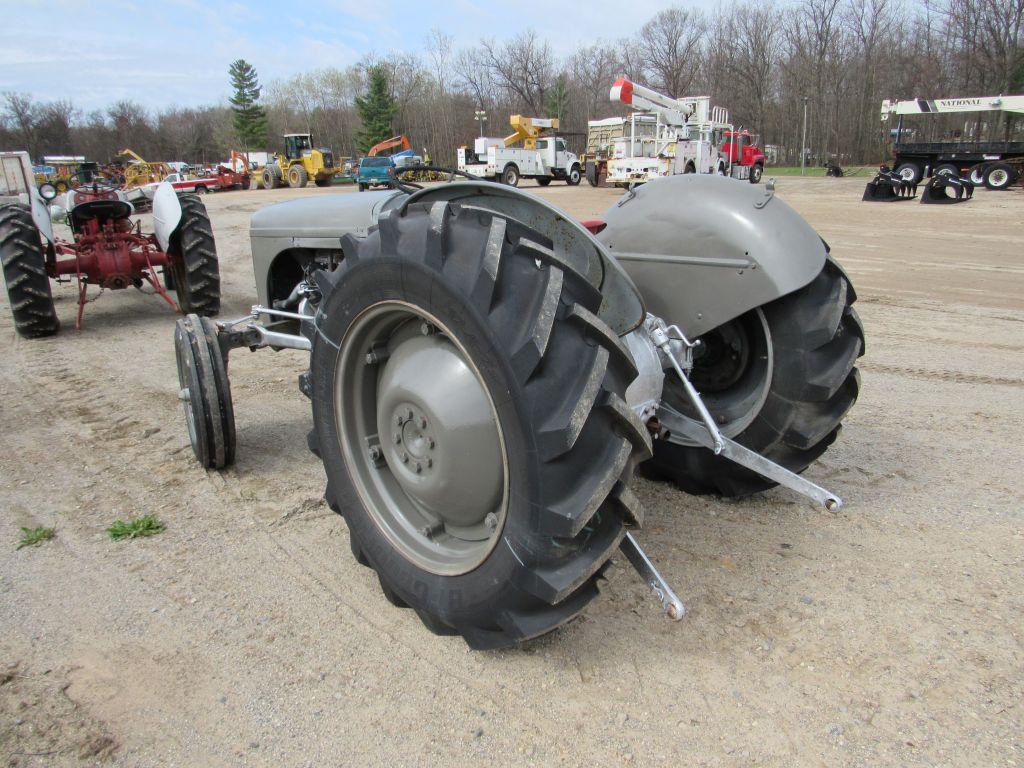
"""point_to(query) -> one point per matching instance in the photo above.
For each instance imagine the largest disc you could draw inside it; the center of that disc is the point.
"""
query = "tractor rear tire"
(194, 265)
(271, 177)
(813, 340)
(324, 182)
(297, 177)
(519, 327)
(593, 174)
(24, 266)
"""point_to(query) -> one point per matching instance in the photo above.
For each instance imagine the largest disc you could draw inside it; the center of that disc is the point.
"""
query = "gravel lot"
(245, 634)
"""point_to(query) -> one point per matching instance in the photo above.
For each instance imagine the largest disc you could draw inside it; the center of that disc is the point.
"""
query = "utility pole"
(481, 117)
(803, 141)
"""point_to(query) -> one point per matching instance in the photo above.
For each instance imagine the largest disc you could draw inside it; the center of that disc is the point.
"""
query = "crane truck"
(690, 136)
(995, 163)
(542, 157)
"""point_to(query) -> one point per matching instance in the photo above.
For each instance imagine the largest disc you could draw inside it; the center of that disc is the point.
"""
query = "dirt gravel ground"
(889, 633)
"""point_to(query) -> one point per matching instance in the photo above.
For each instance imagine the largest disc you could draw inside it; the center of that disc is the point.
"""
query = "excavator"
(395, 141)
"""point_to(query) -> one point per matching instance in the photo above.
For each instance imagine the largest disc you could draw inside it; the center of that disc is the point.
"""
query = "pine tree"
(250, 119)
(376, 110)
(557, 102)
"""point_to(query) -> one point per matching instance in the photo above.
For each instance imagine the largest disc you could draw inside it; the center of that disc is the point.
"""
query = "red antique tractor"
(108, 250)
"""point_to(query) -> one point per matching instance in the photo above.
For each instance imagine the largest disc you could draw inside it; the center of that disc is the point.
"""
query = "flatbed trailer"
(995, 163)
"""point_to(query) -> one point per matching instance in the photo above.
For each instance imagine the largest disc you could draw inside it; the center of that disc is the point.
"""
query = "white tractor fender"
(41, 214)
(166, 214)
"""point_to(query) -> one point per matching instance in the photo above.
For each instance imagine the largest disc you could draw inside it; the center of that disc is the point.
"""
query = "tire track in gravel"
(56, 375)
(950, 377)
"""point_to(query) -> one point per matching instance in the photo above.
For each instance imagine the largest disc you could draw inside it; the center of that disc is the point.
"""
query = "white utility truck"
(687, 137)
(539, 158)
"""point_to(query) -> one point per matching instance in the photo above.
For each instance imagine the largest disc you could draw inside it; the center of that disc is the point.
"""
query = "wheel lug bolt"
(409, 414)
(399, 420)
(405, 457)
(419, 467)
(398, 437)
(491, 521)
(430, 443)
(430, 462)
(423, 422)
(375, 453)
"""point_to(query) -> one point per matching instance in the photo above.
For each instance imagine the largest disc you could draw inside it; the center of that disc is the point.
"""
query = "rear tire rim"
(998, 178)
(733, 375)
(421, 438)
(907, 174)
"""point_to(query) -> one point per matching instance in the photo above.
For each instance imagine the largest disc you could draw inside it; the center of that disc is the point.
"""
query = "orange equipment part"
(394, 141)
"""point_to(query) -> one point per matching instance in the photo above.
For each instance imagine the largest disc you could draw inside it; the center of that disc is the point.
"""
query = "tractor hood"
(321, 216)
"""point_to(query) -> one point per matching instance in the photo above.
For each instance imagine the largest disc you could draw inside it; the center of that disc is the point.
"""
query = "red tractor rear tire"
(24, 266)
(194, 263)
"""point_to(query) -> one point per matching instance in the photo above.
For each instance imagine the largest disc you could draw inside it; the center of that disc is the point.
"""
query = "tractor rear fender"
(705, 249)
(166, 214)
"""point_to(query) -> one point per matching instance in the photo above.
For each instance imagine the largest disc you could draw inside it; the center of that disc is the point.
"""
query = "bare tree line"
(759, 59)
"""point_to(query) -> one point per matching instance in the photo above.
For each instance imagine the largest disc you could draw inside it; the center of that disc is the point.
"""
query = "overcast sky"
(177, 52)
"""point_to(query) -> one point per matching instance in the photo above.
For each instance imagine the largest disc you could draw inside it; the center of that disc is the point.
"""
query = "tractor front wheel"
(194, 264)
(24, 266)
(297, 177)
(468, 406)
(778, 380)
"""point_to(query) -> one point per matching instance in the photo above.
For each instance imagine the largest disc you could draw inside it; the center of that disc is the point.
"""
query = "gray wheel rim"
(907, 174)
(998, 178)
(421, 438)
(743, 413)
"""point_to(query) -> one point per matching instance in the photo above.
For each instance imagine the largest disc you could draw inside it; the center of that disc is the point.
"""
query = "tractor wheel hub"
(444, 448)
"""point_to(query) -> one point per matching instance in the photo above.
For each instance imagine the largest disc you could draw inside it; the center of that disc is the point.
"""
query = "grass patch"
(31, 537)
(794, 170)
(147, 525)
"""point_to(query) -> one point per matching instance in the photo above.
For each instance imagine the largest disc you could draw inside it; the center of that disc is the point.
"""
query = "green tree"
(557, 101)
(376, 110)
(250, 119)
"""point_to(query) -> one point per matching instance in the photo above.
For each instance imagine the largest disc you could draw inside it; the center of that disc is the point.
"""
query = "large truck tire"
(593, 173)
(194, 265)
(510, 175)
(24, 266)
(778, 380)
(496, 491)
(298, 177)
(910, 171)
(272, 177)
(1000, 176)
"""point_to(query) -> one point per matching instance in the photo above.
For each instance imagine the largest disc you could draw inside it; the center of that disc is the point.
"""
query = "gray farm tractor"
(487, 373)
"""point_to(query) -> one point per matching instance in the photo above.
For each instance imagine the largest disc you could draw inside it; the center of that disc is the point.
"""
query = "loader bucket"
(887, 187)
(942, 190)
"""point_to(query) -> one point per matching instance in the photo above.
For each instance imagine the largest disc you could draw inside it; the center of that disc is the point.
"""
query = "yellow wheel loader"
(299, 164)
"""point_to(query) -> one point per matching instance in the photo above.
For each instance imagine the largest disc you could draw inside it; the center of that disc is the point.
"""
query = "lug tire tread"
(586, 446)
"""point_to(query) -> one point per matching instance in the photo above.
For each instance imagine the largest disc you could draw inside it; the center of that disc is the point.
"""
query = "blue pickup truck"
(374, 172)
